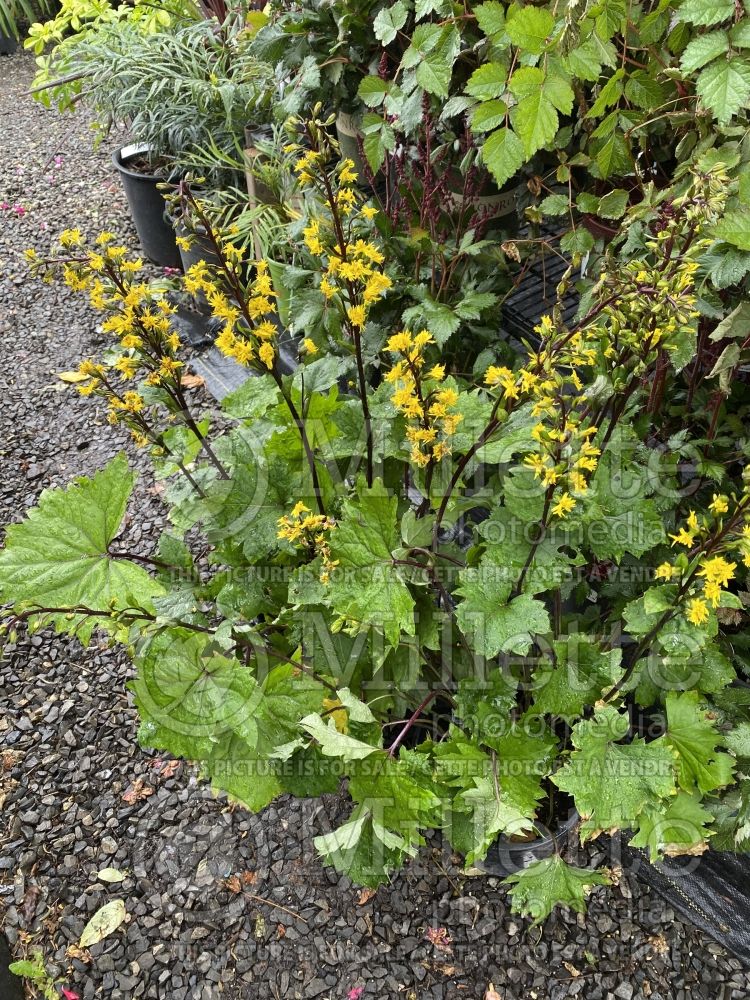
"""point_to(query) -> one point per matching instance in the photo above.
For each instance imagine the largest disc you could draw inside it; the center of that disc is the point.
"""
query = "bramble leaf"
(724, 87)
(59, 556)
(693, 736)
(366, 586)
(493, 625)
(536, 890)
(503, 154)
(389, 22)
(612, 782)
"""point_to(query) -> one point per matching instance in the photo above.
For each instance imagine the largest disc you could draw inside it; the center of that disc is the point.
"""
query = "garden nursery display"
(490, 584)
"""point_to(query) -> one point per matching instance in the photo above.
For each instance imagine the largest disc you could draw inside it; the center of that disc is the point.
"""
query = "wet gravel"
(78, 795)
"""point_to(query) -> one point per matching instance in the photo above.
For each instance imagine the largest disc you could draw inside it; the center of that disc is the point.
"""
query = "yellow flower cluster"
(709, 568)
(419, 395)
(138, 316)
(308, 530)
(352, 275)
(248, 330)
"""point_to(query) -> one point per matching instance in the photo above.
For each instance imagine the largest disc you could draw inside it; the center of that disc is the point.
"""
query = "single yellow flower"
(697, 612)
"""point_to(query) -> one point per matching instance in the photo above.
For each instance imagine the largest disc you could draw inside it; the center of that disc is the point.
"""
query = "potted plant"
(186, 95)
(342, 607)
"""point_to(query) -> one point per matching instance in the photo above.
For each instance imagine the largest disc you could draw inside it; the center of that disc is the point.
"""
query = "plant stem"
(411, 720)
(307, 448)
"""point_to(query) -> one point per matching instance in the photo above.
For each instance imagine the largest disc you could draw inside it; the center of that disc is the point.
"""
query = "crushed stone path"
(69, 760)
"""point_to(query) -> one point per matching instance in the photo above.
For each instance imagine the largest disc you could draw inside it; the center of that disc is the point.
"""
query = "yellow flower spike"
(697, 612)
(327, 288)
(369, 212)
(104, 238)
(243, 352)
(437, 372)
(692, 522)
(564, 505)
(719, 504)
(71, 238)
(132, 402)
(665, 571)
(309, 346)
(265, 330)
(183, 242)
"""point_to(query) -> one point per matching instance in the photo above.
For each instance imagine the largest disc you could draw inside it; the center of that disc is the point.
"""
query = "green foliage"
(552, 882)
(60, 557)
(419, 523)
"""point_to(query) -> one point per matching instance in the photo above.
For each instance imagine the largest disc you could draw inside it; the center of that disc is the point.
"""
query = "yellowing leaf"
(73, 377)
(103, 923)
(111, 875)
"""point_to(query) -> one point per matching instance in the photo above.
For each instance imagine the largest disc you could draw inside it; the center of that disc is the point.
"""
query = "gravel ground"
(77, 794)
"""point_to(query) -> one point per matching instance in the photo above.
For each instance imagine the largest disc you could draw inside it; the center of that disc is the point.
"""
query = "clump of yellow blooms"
(352, 277)
(646, 306)
(310, 531)
(565, 457)
(138, 318)
(248, 329)
(705, 571)
(421, 396)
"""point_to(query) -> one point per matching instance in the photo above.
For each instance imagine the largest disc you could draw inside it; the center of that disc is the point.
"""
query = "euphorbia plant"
(387, 537)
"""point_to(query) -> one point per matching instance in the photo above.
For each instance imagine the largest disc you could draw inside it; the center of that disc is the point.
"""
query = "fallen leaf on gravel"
(365, 896)
(167, 768)
(491, 993)
(103, 923)
(572, 970)
(111, 875)
(659, 943)
(29, 903)
(280, 931)
(192, 381)
(73, 377)
(439, 937)
(70, 994)
(233, 884)
(73, 951)
(137, 791)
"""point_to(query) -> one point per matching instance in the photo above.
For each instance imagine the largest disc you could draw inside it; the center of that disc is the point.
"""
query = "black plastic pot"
(201, 248)
(11, 987)
(148, 209)
(8, 45)
(506, 856)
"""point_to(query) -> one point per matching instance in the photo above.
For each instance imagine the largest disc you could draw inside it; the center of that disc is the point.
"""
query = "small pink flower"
(171, 271)
(58, 161)
(355, 993)
(4, 206)
(19, 210)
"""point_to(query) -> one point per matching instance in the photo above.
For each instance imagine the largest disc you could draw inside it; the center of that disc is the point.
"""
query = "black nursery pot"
(11, 986)
(8, 45)
(148, 209)
(506, 856)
